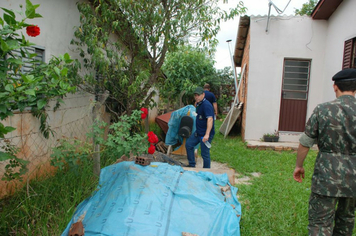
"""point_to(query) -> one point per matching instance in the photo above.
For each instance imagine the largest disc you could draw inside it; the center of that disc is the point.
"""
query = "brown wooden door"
(294, 99)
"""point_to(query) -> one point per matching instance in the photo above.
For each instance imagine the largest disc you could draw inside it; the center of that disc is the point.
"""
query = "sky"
(229, 29)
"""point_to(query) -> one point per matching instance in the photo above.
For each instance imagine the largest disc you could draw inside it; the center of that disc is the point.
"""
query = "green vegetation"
(307, 8)
(274, 204)
(142, 39)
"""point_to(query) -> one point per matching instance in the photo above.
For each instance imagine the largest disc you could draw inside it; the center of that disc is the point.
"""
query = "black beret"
(345, 75)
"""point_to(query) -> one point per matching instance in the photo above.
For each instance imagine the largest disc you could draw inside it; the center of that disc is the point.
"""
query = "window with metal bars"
(295, 79)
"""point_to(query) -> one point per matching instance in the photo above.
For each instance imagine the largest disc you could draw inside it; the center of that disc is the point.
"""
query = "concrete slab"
(277, 146)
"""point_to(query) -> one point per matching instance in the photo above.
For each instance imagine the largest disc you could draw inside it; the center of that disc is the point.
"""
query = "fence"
(72, 120)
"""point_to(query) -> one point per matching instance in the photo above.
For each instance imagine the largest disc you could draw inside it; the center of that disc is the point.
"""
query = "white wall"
(341, 27)
(287, 37)
(74, 118)
(57, 24)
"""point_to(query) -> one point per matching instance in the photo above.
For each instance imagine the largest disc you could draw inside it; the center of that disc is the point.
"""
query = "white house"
(289, 62)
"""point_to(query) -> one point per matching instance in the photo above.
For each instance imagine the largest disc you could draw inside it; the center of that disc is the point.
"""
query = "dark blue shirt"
(204, 111)
(210, 96)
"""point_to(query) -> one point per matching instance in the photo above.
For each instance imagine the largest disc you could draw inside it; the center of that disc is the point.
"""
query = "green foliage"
(127, 44)
(125, 137)
(307, 8)
(71, 154)
(274, 134)
(185, 69)
(221, 86)
(47, 205)
(283, 201)
(16, 167)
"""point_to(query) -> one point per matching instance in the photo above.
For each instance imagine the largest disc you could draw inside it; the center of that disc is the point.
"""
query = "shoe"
(190, 166)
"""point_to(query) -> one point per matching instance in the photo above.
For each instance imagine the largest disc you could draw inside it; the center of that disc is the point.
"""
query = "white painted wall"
(59, 18)
(287, 37)
(74, 118)
(341, 27)
(322, 41)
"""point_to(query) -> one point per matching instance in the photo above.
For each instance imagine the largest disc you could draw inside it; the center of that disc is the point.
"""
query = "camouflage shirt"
(333, 125)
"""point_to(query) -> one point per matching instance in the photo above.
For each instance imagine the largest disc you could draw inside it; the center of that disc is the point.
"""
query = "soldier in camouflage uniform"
(332, 126)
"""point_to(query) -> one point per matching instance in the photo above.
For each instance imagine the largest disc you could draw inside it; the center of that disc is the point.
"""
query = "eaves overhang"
(324, 9)
(244, 26)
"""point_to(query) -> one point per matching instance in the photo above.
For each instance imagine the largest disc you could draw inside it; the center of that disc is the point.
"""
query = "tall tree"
(127, 41)
(185, 68)
(307, 8)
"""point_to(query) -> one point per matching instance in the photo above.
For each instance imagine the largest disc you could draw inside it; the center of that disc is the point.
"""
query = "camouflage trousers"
(331, 215)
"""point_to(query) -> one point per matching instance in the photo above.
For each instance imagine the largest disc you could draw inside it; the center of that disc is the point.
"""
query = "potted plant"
(271, 137)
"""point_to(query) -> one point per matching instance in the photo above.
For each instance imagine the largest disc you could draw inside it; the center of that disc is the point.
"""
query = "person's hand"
(298, 174)
(205, 138)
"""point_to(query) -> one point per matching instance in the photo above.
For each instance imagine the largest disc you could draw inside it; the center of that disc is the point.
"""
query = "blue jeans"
(192, 141)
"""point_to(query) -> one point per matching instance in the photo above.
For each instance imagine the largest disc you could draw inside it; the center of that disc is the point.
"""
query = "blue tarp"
(159, 199)
(172, 137)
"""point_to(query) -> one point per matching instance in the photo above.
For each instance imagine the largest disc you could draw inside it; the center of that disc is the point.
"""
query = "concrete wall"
(287, 37)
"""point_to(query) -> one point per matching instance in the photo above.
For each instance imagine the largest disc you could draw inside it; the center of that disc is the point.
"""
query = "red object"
(33, 30)
(144, 110)
(151, 149)
(152, 137)
(163, 120)
(144, 113)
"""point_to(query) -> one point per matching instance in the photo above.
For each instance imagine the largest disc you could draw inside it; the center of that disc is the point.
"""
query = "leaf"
(38, 15)
(4, 46)
(31, 92)
(3, 108)
(41, 103)
(30, 10)
(4, 94)
(28, 78)
(57, 70)
(63, 84)
(4, 130)
(9, 87)
(11, 13)
(9, 129)
(9, 19)
(13, 44)
(5, 156)
(64, 71)
(66, 57)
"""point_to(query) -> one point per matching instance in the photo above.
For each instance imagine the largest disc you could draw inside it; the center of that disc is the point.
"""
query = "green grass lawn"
(273, 204)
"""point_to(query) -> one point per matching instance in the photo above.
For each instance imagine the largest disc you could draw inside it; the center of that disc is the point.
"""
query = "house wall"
(74, 118)
(288, 37)
(339, 30)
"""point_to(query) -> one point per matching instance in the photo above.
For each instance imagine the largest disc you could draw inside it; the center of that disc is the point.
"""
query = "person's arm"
(209, 126)
(298, 173)
(215, 105)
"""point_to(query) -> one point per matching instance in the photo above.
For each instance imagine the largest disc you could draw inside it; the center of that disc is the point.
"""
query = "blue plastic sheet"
(159, 199)
(172, 136)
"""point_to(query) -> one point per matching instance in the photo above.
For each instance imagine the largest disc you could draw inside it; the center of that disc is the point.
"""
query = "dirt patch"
(246, 179)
